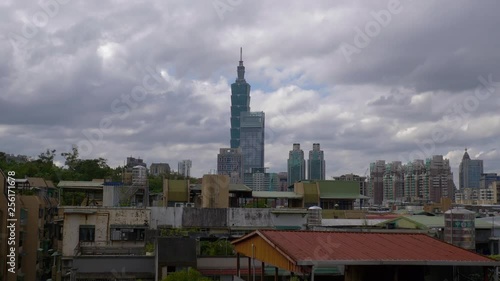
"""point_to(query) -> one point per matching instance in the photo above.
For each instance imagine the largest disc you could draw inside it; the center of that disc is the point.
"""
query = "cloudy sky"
(369, 80)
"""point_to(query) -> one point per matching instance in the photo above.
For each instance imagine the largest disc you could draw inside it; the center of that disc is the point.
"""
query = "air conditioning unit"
(179, 204)
(191, 205)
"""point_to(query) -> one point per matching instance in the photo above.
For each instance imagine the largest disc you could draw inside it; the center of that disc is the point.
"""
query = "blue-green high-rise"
(296, 165)
(240, 102)
(316, 163)
(470, 172)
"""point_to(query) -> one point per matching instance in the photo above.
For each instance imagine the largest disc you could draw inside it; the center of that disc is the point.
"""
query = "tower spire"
(241, 68)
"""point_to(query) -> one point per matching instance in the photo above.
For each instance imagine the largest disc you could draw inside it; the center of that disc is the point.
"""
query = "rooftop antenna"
(241, 53)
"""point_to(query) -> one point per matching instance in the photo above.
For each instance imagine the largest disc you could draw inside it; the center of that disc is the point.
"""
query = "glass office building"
(296, 165)
(470, 172)
(240, 102)
(252, 140)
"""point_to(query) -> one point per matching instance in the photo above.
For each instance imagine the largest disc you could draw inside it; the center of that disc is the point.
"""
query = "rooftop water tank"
(460, 228)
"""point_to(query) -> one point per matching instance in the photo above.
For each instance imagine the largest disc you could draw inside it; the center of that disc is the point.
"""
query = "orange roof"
(326, 248)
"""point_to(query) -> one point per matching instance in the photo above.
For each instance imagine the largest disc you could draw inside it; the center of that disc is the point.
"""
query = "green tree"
(216, 248)
(71, 157)
(155, 183)
(84, 170)
(186, 275)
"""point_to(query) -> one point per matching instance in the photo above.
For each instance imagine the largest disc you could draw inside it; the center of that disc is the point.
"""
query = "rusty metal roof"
(327, 248)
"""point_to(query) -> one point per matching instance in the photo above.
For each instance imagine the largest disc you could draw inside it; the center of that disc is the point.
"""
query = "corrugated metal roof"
(233, 187)
(37, 182)
(438, 221)
(79, 184)
(276, 194)
(349, 222)
(325, 248)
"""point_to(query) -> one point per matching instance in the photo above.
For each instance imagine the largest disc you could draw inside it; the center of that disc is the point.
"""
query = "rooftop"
(325, 248)
(80, 184)
(276, 194)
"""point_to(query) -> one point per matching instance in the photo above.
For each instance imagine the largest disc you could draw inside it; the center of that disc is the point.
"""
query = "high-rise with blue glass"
(470, 172)
(252, 126)
(296, 165)
(316, 163)
(240, 102)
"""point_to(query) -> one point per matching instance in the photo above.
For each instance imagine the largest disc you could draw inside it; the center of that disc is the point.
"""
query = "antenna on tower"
(241, 53)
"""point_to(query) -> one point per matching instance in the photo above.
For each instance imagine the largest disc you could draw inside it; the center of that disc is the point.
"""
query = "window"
(127, 234)
(87, 233)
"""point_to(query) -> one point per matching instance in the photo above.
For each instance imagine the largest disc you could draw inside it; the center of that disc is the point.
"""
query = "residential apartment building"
(132, 162)
(296, 165)
(34, 233)
(157, 169)
(230, 163)
(438, 180)
(414, 180)
(427, 181)
(487, 179)
(184, 168)
(376, 181)
(105, 243)
(393, 181)
(260, 180)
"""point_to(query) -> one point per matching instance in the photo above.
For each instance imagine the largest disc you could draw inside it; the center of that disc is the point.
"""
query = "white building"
(185, 168)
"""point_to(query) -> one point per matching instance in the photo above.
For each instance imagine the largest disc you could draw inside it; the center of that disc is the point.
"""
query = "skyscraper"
(230, 163)
(428, 180)
(240, 102)
(438, 179)
(470, 172)
(376, 181)
(296, 165)
(393, 181)
(316, 163)
(252, 140)
(185, 168)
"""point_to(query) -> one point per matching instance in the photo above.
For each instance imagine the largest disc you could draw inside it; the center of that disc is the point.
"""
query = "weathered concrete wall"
(71, 232)
(166, 216)
(102, 218)
(204, 217)
(111, 196)
(215, 191)
(178, 217)
(249, 217)
(298, 220)
(115, 265)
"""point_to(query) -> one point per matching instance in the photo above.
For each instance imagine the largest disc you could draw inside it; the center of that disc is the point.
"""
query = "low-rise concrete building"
(101, 242)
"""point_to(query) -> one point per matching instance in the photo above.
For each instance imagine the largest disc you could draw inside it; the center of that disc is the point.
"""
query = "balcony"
(93, 248)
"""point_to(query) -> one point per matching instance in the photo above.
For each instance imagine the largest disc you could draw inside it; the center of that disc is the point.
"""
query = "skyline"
(425, 83)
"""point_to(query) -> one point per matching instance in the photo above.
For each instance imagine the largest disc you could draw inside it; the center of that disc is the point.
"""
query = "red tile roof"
(304, 247)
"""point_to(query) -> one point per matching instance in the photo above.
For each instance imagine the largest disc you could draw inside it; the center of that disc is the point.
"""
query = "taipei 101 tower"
(240, 102)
